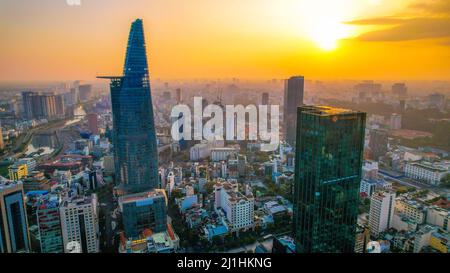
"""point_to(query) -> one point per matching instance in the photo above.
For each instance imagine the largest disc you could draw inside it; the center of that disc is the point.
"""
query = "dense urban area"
(374, 178)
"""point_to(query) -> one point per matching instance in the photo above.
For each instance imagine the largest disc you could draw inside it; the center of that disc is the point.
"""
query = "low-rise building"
(17, 171)
(410, 209)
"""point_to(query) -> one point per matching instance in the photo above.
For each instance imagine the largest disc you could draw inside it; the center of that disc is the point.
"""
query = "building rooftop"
(323, 110)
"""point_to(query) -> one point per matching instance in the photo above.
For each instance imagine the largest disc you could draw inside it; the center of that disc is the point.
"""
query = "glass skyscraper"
(328, 166)
(134, 138)
(14, 233)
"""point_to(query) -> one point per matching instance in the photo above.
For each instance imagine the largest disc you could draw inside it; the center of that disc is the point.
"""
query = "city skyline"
(375, 39)
(161, 166)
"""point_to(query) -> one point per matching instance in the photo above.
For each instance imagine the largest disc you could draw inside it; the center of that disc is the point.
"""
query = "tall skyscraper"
(60, 107)
(265, 99)
(84, 92)
(27, 104)
(399, 89)
(378, 143)
(14, 232)
(39, 106)
(134, 137)
(328, 167)
(293, 97)
(179, 95)
(93, 123)
(2, 143)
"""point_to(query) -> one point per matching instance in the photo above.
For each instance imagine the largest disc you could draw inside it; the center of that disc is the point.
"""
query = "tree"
(446, 181)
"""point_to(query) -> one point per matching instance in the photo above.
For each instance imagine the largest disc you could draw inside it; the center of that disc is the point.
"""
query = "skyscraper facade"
(14, 232)
(328, 167)
(143, 211)
(293, 97)
(79, 223)
(134, 136)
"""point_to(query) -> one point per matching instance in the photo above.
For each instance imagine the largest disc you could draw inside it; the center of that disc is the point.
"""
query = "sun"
(327, 33)
(322, 21)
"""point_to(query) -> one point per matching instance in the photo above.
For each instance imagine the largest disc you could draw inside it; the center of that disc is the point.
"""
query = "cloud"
(429, 21)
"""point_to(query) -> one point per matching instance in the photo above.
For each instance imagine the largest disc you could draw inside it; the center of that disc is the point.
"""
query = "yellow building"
(440, 242)
(17, 171)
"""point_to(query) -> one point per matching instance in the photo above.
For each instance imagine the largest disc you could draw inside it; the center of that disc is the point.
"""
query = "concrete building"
(49, 225)
(199, 151)
(17, 171)
(30, 162)
(438, 217)
(395, 122)
(410, 209)
(237, 207)
(381, 212)
(293, 98)
(427, 172)
(79, 223)
(222, 154)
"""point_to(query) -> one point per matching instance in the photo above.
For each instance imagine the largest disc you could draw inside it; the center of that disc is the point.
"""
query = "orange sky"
(255, 39)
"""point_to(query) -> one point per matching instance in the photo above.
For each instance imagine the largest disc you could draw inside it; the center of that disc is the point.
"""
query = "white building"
(422, 238)
(370, 169)
(396, 121)
(431, 173)
(79, 223)
(440, 217)
(30, 162)
(221, 154)
(381, 212)
(238, 208)
(200, 151)
(368, 187)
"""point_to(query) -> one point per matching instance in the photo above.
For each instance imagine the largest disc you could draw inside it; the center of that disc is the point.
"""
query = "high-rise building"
(378, 143)
(179, 95)
(395, 122)
(79, 223)
(93, 123)
(265, 99)
(49, 225)
(141, 211)
(60, 107)
(382, 205)
(37, 106)
(2, 143)
(85, 92)
(27, 105)
(14, 232)
(328, 169)
(134, 137)
(399, 89)
(293, 97)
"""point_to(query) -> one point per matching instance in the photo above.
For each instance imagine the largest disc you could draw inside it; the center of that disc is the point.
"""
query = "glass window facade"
(329, 156)
(134, 137)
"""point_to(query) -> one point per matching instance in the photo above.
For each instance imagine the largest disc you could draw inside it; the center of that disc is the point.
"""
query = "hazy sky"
(258, 39)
